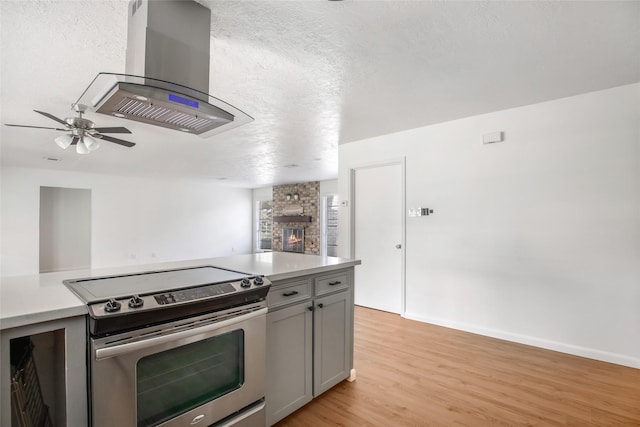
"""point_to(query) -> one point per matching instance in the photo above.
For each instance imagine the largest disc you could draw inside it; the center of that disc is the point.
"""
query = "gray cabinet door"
(332, 341)
(289, 360)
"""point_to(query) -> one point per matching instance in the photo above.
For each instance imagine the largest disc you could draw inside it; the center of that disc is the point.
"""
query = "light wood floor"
(415, 374)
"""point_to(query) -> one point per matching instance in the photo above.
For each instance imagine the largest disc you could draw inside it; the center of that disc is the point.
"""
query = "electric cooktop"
(97, 289)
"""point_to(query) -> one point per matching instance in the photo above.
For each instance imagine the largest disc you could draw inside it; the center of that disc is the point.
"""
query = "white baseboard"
(604, 356)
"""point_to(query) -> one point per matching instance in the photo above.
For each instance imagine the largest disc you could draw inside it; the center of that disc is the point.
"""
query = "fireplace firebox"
(293, 239)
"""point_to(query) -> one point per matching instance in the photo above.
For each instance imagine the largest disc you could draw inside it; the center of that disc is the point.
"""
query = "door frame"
(400, 161)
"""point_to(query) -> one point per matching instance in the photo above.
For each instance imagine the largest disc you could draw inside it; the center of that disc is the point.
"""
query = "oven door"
(183, 373)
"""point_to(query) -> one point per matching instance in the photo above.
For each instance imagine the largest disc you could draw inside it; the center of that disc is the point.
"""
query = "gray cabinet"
(309, 339)
(60, 359)
(289, 360)
(331, 341)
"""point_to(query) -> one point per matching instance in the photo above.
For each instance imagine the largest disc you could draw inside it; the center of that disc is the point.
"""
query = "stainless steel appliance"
(166, 80)
(176, 348)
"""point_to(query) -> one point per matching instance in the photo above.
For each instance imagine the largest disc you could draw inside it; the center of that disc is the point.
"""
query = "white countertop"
(26, 300)
(282, 265)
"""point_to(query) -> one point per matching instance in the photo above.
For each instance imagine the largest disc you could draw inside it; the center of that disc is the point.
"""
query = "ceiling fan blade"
(52, 117)
(117, 141)
(112, 130)
(75, 140)
(35, 127)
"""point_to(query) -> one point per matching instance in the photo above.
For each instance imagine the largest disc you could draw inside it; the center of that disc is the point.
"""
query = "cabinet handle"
(310, 308)
(320, 305)
(290, 293)
(334, 283)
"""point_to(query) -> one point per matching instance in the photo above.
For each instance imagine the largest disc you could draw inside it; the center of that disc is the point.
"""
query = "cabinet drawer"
(291, 292)
(332, 283)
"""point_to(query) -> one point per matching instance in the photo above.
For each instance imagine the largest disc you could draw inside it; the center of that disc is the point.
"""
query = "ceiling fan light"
(81, 148)
(64, 141)
(91, 143)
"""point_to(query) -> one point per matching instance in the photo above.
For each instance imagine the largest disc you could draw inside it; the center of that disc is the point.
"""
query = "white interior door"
(378, 214)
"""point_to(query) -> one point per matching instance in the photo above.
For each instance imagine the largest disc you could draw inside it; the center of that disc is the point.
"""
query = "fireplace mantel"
(292, 218)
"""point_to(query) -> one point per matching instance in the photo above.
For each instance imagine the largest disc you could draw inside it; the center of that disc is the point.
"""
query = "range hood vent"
(163, 115)
(167, 72)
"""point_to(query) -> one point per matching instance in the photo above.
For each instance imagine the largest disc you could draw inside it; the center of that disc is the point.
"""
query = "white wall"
(263, 193)
(535, 239)
(328, 187)
(134, 220)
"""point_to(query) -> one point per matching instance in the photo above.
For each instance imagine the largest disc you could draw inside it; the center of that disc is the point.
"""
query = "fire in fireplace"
(293, 240)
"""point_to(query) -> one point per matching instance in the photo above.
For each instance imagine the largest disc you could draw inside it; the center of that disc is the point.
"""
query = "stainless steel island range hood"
(167, 72)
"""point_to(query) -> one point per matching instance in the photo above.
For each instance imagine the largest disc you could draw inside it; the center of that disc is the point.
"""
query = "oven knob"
(135, 302)
(258, 281)
(112, 305)
(246, 283)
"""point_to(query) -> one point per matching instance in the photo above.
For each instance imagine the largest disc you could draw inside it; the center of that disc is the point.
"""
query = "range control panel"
(141, 303)
(195, 293)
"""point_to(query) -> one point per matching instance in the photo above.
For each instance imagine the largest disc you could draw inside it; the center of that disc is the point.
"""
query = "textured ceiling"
(312, 73)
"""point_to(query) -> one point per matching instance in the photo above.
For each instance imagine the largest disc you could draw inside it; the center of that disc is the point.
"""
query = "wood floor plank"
(416, 374)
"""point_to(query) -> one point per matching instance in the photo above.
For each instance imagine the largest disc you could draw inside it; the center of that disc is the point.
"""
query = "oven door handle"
(117, 350)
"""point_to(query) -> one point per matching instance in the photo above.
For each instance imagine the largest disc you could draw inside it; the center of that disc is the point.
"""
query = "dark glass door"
(175, 381)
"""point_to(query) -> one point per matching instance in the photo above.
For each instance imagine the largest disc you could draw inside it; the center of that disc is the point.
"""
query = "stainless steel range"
(176, 347)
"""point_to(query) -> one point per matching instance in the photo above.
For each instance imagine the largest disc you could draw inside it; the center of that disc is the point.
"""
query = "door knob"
(398, 246)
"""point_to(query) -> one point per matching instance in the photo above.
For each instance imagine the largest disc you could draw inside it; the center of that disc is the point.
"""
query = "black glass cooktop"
(95, 289)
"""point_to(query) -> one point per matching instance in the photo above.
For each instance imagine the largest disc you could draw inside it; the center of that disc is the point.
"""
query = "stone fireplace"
(297, 206)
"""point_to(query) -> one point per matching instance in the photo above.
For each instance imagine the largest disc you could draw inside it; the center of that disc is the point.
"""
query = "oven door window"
(175, 381)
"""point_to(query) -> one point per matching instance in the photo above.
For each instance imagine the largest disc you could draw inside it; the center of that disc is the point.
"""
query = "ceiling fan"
(82, 132)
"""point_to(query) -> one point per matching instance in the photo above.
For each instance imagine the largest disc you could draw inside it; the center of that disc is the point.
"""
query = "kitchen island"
(42, 305)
